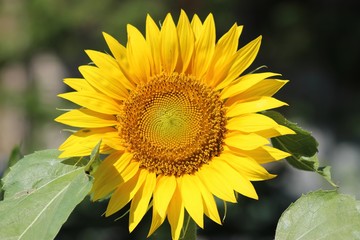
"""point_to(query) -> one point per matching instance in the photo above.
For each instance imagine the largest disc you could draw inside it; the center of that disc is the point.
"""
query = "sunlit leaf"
(321, 215)
(40, 194)
(302, 146)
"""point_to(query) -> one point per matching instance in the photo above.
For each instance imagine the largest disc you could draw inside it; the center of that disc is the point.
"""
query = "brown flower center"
(173, 124)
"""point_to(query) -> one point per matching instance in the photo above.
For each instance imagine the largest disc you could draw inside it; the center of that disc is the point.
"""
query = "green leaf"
(302, 146)
(321, 215)
(40, 194)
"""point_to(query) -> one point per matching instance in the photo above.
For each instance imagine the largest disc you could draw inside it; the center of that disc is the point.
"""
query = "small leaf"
(40, 194)
(94, 158)
(321, 215)
(326, 173)
(301, 143)
(302, 146)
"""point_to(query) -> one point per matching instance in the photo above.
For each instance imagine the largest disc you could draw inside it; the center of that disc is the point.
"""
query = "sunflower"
(178, 120)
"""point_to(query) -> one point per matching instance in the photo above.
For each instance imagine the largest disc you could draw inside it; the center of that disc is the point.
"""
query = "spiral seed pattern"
(173, 124)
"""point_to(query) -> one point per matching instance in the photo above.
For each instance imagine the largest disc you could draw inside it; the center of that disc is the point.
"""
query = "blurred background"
(314, 44)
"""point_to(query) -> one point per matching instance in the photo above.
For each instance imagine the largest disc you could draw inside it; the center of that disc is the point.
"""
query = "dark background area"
(314, 44)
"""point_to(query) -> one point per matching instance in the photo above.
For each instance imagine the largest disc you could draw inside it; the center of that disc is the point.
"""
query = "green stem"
(189, 228)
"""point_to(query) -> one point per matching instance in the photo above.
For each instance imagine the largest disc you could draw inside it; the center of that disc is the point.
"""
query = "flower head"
(178, 118)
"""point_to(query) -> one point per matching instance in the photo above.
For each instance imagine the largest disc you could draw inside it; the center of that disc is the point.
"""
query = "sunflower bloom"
(178, 119)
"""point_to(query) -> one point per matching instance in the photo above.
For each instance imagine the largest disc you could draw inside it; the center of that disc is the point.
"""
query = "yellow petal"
(282, 130)
(245, 56)
(86, 135)
(223, 55)
(186, 42)
(156, 221)
(113, 140)
(275, 132)
(125, 192)
(246, 166)
(251, 123)
(233, 178)
(107, 165)
(137, 54)
(102, 60)
(110, 67)
(163, 193)
(196, 26)
(83, 141)
(204, 48)
(111, 174)
(83, 150)
(153, 40)
(118, 50)
(86, 118)
(107, 168)
(264, 88)
(176, 214)
(252, 106)
(117, 176)
(169, 45)
(93, 101)
(129, 170)
(228, 43)
(244, 83)
(264, 154)
(246, 141)
(105, 82)
(140, 202)
(216, 184)
(86, 139)
(191, 198)
(78, 84)
(210, 208)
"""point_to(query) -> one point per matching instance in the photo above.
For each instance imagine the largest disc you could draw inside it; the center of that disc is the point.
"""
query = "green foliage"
(302, 146)
(321, 215)
(40, 192)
